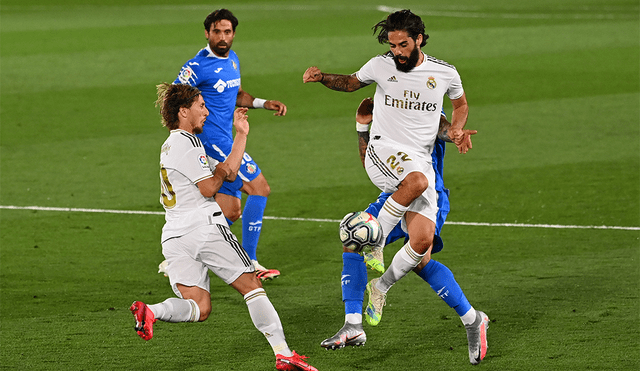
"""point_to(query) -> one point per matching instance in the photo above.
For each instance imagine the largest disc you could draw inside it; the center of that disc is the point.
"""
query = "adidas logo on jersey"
(392, 79)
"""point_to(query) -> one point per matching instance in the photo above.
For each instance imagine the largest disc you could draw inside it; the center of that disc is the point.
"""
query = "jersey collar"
(212, 54)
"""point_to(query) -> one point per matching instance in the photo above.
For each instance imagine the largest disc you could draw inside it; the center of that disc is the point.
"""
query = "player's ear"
(419, 40)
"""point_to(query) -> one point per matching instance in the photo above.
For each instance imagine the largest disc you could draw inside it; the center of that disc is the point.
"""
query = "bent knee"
(204, 312)
(257, 187)
(421, 243)
(415, 184)
(233, 214)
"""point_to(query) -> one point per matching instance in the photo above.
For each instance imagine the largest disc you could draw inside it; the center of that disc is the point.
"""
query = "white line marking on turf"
(472, 14)
(473, 224)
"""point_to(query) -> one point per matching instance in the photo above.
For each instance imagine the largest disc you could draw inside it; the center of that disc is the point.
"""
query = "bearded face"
(406, 50)
(406, 64)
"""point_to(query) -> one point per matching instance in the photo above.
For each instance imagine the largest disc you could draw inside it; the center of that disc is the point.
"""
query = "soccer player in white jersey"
(196, 237)
(410, 87)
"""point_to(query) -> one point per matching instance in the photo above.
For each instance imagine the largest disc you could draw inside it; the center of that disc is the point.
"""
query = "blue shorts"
(248, 171)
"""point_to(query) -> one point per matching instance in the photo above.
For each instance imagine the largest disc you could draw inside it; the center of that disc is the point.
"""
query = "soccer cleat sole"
(295, 362)
(344, 345)
(139, 311)
(268, 274)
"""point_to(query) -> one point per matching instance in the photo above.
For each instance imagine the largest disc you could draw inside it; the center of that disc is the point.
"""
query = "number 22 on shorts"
(395, 160)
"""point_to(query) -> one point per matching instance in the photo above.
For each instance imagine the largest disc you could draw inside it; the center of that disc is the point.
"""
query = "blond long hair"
(172, 97)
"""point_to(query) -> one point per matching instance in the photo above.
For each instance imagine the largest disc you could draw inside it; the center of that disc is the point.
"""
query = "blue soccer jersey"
(219, 80)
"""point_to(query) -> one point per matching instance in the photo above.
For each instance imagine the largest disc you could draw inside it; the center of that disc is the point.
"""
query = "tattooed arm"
(363, 142)
(337, 82)
(364, 117)
(443, 133)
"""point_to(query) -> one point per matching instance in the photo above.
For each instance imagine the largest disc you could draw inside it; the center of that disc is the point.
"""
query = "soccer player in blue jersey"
(215, 70)
(354, 271)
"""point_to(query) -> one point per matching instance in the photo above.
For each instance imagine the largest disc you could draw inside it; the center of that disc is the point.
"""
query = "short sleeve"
(195, 165)
(212, 163)
(188, 75)
(366, 74)
(455, 90)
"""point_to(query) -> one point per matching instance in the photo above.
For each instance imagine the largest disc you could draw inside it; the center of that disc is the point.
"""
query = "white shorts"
(387, 163)
(209, 247)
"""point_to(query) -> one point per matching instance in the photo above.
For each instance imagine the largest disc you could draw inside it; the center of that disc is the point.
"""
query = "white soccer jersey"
(183, 163)
(407, 105)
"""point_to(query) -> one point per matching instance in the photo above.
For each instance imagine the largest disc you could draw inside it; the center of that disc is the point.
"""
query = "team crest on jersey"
(400, 170)
(431, 82)
(186, 74)
(235, 66)
(203, 162)
(251, 168)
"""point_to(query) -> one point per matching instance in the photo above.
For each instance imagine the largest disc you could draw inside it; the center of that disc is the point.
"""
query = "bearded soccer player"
(410, 87)
(215, 70)
(196, 237)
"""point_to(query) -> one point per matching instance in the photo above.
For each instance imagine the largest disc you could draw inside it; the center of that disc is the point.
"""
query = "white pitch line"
(473, 14)
(472, 224)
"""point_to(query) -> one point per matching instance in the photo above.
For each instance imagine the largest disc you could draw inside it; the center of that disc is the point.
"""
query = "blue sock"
(441, 280)
(354, 282)
(252, 223)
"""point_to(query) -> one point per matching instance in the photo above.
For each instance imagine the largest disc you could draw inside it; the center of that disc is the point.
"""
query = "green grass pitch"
(553, 89)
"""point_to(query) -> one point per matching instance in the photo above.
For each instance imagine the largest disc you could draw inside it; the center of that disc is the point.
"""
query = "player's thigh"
(426, 204)
(231, 205)
(223, 254)
(183, 266)
(257, 187)
(254, 182)
(388, 164)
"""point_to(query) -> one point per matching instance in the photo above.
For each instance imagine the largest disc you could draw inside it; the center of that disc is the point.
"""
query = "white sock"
(403, 262)
(469, 318)
(389, 216)
(353, 318)
(176, 310)
(266, 320)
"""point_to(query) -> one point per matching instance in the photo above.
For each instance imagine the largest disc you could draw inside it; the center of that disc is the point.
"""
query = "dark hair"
(402, 20)
(218, 15)
(172, 97)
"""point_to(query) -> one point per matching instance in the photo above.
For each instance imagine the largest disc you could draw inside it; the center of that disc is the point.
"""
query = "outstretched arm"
(443, 133)
(245, 99)
(228, 170)
(459, 136)
(337, 82)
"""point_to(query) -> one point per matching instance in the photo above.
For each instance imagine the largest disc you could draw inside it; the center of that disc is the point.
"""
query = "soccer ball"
(360, 230)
